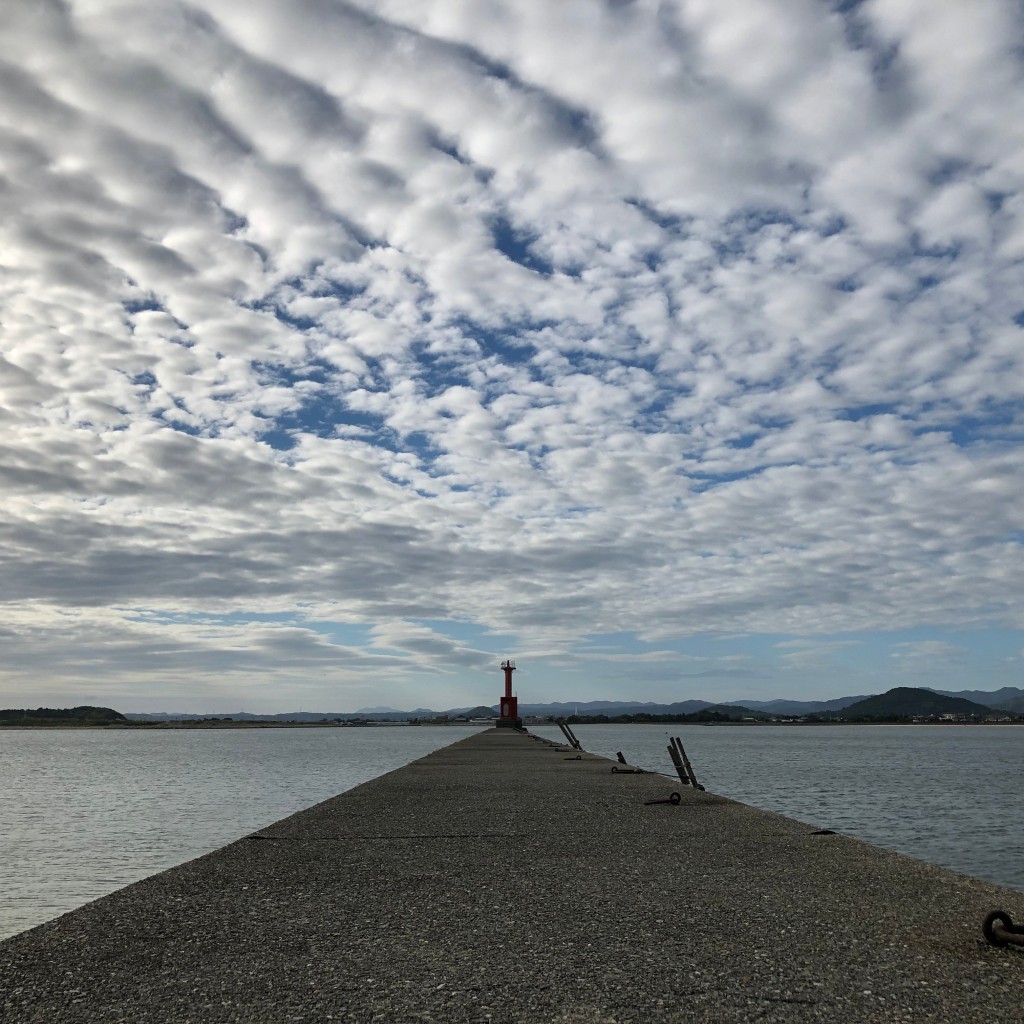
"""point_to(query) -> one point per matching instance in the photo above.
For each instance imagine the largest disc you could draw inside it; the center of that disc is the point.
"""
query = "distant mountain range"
(1009, 698)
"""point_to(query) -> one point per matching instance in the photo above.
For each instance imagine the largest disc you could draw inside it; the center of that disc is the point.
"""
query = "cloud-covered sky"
(671, 347)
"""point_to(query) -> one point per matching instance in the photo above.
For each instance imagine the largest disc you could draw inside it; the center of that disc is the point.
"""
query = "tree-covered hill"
(83, 715)
(912, 702)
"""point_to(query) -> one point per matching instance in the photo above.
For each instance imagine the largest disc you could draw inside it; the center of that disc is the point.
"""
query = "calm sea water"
(951, 795)
(87, 811)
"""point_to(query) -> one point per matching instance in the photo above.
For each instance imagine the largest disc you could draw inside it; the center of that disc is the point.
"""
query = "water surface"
(87, 811)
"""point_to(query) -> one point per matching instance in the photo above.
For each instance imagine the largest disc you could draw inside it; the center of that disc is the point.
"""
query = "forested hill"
(909, 702)
(83, 715)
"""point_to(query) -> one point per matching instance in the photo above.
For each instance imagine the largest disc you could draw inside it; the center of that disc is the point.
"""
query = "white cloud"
(929, 649)
(552, 320)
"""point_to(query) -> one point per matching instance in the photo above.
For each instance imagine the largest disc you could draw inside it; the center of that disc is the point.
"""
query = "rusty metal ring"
(988, 926)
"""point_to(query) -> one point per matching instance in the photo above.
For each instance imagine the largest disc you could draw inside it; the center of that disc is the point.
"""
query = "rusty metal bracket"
(999, 929)
(569, 734)
(627, 771)
(578, 757)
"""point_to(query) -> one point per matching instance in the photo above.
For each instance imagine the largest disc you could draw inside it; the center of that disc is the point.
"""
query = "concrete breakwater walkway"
(499, 880)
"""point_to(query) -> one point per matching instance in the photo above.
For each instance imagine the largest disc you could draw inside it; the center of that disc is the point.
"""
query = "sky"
(673, 348)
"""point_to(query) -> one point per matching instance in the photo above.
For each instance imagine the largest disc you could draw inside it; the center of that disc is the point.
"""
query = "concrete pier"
(498, 880)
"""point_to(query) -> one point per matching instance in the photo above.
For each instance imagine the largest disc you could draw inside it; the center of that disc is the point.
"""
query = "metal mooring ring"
(675, 799)
(1003, 919)
(1001, 931)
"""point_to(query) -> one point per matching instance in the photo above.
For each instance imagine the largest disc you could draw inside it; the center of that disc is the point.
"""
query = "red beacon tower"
(509, 705)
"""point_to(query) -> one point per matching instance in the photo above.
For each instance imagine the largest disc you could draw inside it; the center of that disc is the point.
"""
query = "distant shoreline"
(830, 725)
(201, 725)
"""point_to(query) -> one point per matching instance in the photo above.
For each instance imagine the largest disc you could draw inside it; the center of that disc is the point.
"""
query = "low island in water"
(82, 715)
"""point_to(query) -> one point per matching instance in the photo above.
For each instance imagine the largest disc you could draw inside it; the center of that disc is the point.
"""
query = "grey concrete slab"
(495, 880)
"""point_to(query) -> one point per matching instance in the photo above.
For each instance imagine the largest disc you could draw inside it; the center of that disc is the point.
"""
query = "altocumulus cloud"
(347, 345)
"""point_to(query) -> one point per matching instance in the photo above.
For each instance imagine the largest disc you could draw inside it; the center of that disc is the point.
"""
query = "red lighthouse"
(509, 704)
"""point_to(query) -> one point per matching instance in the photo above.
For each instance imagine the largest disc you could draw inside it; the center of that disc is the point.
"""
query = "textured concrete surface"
(497, 880)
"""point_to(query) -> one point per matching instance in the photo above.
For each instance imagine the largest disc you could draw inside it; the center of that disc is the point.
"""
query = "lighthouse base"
(509, 718)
